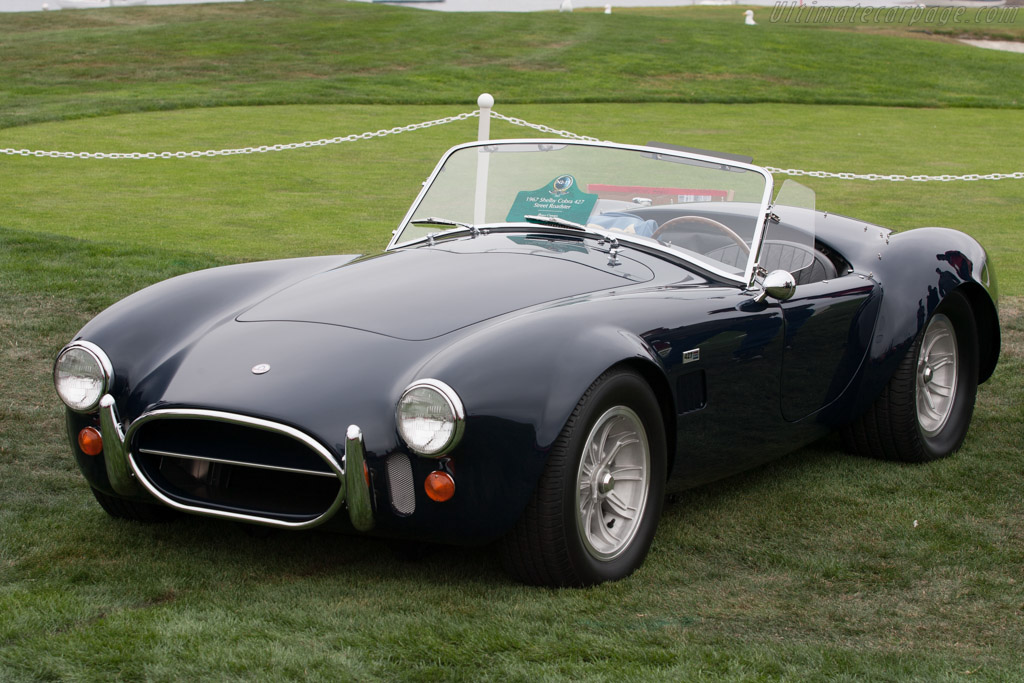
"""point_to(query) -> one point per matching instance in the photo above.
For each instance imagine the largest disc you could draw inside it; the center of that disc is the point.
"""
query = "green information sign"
(561, 198)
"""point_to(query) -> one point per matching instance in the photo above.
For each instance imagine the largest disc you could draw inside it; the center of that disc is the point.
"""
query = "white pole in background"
(485, 102)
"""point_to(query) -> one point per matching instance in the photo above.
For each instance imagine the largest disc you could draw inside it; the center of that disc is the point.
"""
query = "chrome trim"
(100, 356)
(779, 285)
(237, 463)
(746, 280)
(454, 402)
(360, 505)
(115, 456)
(232, 418)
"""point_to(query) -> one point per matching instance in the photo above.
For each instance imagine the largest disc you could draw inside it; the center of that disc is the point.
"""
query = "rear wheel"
(137, 512)
(595, 510)
(925, 410)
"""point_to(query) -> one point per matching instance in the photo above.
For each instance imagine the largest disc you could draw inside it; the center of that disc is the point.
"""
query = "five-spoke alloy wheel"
(937, 367)
(925, 410)
(593, 515)
(612, 483)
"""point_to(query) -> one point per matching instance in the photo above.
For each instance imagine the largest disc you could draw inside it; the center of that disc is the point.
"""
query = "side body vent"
(692, 391)
(400, 484)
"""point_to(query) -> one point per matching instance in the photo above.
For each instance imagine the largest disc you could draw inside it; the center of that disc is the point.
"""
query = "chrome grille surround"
(330, 467)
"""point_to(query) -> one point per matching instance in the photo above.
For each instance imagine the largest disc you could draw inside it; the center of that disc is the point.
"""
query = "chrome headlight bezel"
(457, 418)
(102, 373)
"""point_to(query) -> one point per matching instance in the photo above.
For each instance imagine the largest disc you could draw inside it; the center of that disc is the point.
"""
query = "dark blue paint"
(521, 326)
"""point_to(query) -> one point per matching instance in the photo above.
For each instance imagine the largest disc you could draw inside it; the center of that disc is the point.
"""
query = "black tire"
(136, 512)
(902, 425)
(551, 544)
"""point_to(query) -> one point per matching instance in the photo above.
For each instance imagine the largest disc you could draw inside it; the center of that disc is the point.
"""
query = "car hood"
(422, 293)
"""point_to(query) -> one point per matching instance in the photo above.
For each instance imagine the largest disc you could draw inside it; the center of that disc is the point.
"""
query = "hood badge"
(261, 369)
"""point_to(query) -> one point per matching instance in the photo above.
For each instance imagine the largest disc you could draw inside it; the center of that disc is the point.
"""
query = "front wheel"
(595, 510)
(925, 410)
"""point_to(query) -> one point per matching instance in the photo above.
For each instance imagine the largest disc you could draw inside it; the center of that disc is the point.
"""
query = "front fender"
(534, 369)
(520, 381)
(144, 330)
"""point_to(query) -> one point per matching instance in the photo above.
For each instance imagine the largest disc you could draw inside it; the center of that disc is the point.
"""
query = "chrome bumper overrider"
(128, 479)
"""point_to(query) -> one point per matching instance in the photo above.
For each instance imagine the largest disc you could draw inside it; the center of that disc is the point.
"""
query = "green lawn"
(346, 198)
(820, 566)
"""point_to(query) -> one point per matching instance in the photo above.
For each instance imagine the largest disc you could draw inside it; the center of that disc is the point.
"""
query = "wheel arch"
(986, 322)
(659, 384)
(917, 272)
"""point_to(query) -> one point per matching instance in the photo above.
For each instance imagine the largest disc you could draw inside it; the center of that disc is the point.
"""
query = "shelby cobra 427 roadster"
(558, 334)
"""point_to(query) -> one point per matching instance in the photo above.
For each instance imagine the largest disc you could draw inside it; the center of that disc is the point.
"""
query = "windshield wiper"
(443, 221)
(541, 220)
(556, 221)
(430, 220)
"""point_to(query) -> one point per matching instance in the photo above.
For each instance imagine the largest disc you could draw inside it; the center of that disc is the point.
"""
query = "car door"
(723, 358)
(828, 328)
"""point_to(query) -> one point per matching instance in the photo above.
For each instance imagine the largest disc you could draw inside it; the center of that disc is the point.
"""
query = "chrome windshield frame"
(745, 280)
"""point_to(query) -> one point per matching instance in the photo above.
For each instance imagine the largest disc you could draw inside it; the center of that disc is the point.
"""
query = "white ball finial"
(485, 101)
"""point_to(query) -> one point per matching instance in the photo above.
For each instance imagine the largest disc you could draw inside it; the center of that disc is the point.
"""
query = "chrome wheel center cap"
(605, 483)
(927, 374)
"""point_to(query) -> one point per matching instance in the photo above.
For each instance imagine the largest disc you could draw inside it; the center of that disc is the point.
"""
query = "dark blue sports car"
(558, 334)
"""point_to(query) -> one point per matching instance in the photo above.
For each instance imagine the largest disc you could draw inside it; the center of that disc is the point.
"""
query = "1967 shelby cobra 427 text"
(558, 334)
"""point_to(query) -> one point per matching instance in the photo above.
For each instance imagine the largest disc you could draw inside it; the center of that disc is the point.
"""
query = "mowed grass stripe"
(65, 65)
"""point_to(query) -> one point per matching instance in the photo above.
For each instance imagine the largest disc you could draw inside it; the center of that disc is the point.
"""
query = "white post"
(485, 102)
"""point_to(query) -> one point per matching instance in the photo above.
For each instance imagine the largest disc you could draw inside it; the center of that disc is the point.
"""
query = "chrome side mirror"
(778, 284)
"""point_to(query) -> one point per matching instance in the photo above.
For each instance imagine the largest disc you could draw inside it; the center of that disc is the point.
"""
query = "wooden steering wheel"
(721, 227)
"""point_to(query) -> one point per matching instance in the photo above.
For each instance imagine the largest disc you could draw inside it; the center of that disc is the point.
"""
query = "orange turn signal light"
(440, 486)
(90, 441)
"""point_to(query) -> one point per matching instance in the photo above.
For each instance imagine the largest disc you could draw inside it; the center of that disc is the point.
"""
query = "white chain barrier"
(485, 113)
(543, 129)
(241, 150)
(896, 177)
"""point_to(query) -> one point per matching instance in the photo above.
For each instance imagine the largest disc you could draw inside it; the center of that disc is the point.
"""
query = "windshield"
(708, 210)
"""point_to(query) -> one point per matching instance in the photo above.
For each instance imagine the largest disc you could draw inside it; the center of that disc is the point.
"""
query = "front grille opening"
(287, 496)
(227, 466)
(214, 440)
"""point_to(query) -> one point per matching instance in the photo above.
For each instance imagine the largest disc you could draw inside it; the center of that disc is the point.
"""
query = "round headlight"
(430, 417)
(81, 375)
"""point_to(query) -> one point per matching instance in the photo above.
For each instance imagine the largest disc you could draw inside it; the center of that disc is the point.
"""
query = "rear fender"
(916, 271)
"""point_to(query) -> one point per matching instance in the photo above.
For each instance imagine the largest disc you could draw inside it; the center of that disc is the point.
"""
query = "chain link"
(544, 129)
(240, 150)
(262, 149)
(896, 177)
